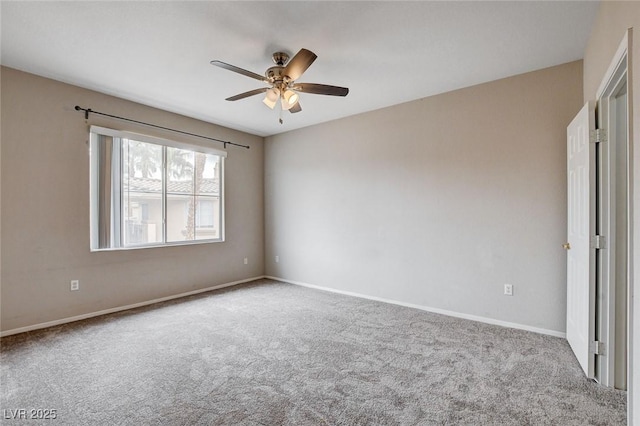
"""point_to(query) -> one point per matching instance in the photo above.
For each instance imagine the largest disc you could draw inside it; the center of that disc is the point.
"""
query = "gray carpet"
(269, 353)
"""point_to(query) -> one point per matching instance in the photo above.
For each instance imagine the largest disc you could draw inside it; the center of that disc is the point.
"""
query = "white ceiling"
(158, 53)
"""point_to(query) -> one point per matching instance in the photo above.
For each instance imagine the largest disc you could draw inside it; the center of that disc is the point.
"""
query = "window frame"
(116, 214)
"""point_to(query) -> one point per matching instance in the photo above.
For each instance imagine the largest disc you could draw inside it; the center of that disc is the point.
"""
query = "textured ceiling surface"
(158, 53)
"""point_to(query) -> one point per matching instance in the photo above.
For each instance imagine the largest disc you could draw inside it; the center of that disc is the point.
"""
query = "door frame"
(617, 74)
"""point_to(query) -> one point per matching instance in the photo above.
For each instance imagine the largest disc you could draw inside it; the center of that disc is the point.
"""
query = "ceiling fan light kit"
(271, 97)
(289, 99)
(281, 79)
(268, 102)
(273, 94)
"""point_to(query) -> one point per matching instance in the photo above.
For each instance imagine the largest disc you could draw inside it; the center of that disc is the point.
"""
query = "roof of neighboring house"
(207, 186)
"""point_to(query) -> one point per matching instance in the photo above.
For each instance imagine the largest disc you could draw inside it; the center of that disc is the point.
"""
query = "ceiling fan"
(281, 80)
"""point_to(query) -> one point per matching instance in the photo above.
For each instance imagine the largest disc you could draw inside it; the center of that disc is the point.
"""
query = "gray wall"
(612, 21)
(45, 209)
(437, 202)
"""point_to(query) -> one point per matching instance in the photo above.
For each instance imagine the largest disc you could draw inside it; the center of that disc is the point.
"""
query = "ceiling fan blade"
(295, 108)
(247, 94)
(238, 70)
(321, 89)
(299, 64)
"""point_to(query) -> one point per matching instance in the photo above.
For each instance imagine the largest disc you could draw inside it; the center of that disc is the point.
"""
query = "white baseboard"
(430, 309)
(122, 308)
(317, 287)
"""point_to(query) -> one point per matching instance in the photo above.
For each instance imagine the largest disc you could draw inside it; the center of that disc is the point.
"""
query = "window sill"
(159, 245)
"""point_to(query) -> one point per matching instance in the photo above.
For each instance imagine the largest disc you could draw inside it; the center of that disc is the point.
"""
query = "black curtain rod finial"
(86, 111)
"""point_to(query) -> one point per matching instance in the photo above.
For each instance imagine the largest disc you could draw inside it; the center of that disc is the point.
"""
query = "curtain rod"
(88, 111)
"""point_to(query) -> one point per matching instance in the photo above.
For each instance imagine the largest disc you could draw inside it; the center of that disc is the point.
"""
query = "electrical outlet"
(75, 285)
(508, 290)
(246, 260)
(277, 259)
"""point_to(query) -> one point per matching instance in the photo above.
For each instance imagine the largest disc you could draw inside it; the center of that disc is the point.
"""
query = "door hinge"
(598, 348)
(597, 242)
(598, 135)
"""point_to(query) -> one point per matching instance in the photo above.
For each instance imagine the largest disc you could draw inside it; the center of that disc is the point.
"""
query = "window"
(149, 192)
(204, 215)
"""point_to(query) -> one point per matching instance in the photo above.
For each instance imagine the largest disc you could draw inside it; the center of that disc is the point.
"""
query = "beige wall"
(437, 202)
(612, 21)
(45, 209)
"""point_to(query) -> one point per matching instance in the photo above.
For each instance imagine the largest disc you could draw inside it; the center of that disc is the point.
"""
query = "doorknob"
(566, 246)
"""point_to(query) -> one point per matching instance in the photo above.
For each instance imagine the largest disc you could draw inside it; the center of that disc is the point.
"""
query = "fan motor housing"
(275, 73)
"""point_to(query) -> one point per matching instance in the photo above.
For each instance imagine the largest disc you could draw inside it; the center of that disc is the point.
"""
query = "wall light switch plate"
(74, 285)
(246, 260)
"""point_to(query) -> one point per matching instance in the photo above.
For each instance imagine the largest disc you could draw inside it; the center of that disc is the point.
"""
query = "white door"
(581, 292)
